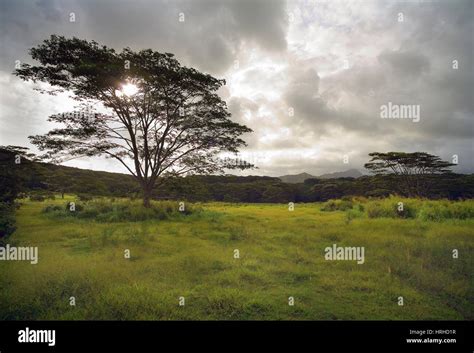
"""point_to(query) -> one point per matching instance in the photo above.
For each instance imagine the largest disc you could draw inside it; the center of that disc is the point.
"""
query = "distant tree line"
(42, 178)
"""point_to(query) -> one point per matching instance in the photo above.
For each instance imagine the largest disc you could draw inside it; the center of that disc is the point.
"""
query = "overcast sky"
(309, 77)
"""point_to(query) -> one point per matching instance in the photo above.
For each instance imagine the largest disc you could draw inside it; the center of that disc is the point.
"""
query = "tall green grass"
(409, 208)
(120, 210)
(281, 255)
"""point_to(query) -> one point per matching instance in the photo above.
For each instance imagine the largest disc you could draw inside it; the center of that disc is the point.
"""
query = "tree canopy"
(411, 167)
(402, 163)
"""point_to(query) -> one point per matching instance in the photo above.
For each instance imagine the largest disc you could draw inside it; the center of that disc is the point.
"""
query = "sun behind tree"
(163, 119)
(129, 89)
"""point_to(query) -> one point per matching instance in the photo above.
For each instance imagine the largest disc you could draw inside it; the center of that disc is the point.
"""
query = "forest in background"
(43, 179)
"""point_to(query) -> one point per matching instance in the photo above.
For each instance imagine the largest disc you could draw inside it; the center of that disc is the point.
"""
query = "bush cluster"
(106, 210)
(38, 198)
(426, 210)
(337, 205)
(41, 197)
(437, 211)
(7, 220)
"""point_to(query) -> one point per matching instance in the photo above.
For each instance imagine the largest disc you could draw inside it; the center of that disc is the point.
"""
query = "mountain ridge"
(301, 177)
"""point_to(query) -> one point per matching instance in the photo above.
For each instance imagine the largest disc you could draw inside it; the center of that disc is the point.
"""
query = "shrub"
(378, 210)
(422, 209)
(103, 210)
(38, 198)
(462, 210)
(337, 205)
(49, 195)
(7, 220)
(329, 206)
(77, 207)
(353, 213)
(390, 208)
(52, 208)
(440, 210)
(407, 211)
(345, 205)
(84, 197)
(360, 199)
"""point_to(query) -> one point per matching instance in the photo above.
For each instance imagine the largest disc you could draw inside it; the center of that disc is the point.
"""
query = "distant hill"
(296, 178)
(351, 173)
(300, 178)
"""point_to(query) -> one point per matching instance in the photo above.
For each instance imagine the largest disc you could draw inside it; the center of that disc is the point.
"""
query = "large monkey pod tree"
(143, 109)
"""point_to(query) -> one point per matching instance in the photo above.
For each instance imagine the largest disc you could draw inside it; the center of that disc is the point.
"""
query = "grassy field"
(281, 256)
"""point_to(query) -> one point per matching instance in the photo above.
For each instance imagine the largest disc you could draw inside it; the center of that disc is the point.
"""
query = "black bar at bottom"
(237, 336)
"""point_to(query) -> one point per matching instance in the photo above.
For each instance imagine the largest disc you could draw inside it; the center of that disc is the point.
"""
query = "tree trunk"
(146, 197)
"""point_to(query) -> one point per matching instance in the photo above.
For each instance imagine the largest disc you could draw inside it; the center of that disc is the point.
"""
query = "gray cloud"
(281, 65)
(405, 63)
(210, 37)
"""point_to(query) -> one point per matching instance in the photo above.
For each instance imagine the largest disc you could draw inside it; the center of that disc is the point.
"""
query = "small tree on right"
(413, 169)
